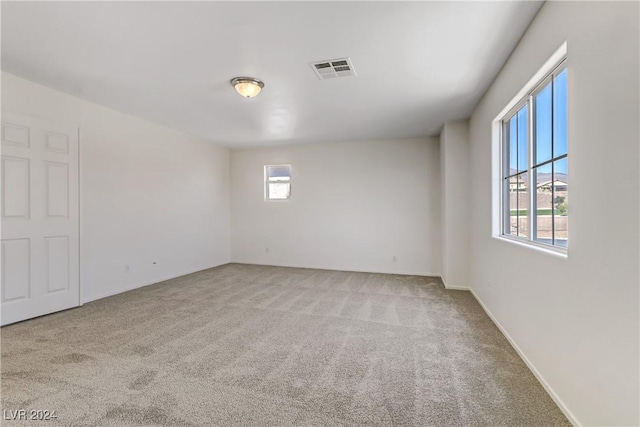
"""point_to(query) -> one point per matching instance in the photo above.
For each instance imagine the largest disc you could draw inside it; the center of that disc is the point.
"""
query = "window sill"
(560, 253)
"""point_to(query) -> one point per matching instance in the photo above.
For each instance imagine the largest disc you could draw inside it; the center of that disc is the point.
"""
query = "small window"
(277, 182)
(534, 164)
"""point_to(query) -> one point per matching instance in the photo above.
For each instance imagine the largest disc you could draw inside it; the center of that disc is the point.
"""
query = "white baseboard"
(111, 293)
(457, 288)
(142, 285)
(565, 410)
(403, 273)
(454, 287)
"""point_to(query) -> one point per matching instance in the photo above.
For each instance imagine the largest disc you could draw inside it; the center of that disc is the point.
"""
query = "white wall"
(456, 212)
(148, 193)
(354, 206)
(576, 320)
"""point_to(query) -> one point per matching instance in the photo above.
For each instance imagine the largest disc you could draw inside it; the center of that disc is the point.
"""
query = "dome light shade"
(247, 86)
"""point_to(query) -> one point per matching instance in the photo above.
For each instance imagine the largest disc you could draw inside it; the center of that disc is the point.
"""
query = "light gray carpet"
(251, 345)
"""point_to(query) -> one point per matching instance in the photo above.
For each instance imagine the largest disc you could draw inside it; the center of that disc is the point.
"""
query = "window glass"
(513, 145)
(560, 114)
(279, 172)
(560, 202)
(279, 190)
(544, 204)
(542, 122)
(522, 139)
(277, 182)
(535, 196)
(523, 204)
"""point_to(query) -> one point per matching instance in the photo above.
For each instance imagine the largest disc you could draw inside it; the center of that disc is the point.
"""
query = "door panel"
(57, 180)
(15, 269)
(15, 187)
(16, 135)
(57, 263)
(40, 223)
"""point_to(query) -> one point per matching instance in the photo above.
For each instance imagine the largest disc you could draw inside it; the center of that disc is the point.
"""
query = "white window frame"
(267, 181)
(557, 62)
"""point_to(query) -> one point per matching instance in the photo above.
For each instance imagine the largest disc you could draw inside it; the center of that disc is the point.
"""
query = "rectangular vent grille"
(332, 68)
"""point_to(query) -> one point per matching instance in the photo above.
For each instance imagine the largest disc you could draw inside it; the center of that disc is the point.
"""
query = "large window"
(534, 164)
(277, 182)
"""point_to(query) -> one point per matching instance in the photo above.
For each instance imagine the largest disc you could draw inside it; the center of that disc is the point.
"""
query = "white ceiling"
(418, 63)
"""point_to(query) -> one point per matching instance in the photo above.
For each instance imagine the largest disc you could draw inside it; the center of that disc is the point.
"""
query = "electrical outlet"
(127, 268)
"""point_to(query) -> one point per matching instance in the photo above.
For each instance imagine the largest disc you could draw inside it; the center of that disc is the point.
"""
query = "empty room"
(320, 213)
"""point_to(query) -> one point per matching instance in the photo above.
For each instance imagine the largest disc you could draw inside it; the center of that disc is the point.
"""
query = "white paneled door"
(40, 233)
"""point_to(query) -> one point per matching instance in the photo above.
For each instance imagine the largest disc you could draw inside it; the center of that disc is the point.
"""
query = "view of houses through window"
(535, 164)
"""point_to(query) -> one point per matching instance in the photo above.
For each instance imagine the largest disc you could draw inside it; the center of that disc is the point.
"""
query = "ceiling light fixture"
(247, 86)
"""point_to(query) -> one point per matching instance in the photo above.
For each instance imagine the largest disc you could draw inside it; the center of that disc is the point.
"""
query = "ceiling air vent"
(333, 68)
